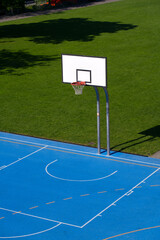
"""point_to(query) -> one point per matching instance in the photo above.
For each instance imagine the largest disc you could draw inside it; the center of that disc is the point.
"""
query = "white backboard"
(92, 70)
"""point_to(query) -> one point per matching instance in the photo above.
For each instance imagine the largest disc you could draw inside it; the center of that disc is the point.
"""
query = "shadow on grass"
(57, 31)
(151, 133)
(11, 61)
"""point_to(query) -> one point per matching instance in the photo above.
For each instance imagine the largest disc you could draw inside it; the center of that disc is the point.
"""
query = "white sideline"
(126, 194)
(83, 152)
(5, 166)
(42, 218)
(99, 214)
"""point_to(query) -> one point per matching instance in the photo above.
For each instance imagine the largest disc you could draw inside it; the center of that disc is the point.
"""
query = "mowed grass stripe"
(35, 102)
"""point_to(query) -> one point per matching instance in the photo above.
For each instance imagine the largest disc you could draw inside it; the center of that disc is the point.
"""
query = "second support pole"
(98, 121)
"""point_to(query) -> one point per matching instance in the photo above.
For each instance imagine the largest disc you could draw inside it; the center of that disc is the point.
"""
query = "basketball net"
(78, 87)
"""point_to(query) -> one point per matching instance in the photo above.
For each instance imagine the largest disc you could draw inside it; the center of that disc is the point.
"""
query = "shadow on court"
(23, 60)
(147, 135)
(57, 31)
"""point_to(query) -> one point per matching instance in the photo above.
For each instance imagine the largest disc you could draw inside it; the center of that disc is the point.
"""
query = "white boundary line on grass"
(20, 159)
(126, 194)
(82, 152)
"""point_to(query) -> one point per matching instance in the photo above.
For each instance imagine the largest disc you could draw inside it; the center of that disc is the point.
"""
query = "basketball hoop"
(78, 87)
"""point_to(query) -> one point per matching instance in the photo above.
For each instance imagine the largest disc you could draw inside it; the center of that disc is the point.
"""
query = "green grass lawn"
(33, 100)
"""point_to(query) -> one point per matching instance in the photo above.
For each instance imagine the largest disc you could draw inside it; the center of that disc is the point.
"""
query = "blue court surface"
(56, 191)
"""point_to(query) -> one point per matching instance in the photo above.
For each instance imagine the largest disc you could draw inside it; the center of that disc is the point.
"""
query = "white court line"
(75, 180)
(52, 146)
(42, 218)
(129, 160)
(99, 214)
(83, 152)
(2, 167)
(20, 159)
(33, 234)
(126, 194)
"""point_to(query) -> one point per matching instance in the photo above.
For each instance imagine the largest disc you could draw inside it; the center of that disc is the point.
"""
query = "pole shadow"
(151, 133)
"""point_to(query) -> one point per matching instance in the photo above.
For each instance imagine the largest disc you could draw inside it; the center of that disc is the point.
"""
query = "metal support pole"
(98, 121)
(107, 121)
